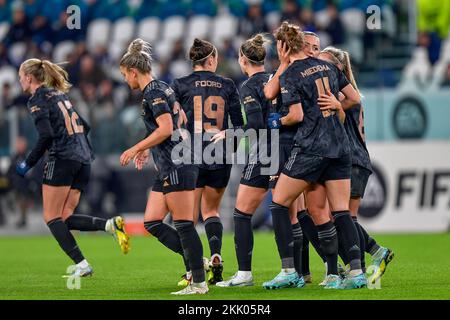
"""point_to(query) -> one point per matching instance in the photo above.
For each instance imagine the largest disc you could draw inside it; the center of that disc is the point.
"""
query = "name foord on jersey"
(208, 83)
(310, 71)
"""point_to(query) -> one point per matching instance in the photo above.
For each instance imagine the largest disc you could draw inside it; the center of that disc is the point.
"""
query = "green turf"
(32, 269)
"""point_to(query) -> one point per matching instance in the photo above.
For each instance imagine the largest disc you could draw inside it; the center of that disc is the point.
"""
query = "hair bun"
(197, 43)
(138, 45)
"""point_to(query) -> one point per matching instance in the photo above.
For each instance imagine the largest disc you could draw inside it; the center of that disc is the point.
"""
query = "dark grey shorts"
(358, 182)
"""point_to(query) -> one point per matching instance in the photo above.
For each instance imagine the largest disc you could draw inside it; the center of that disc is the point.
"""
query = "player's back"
(209, 101)
(69, 129)
(319, 133)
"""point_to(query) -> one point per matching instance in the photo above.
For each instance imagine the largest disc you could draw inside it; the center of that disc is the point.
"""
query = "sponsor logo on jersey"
(34, 109)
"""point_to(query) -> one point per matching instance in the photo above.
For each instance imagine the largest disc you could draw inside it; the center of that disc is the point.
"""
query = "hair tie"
(240, 49)
(214, 49)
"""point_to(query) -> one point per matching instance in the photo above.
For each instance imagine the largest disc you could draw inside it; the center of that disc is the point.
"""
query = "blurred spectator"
(6, 99)
(19, 30)
(90, 76)
(433, 25)
(335, 27)
(253, 22)
(290, 11)
(178, 51)
(446, 79)
(4, 189)
(5, 11)
(307, 20)
(164, 72)
(22, 187)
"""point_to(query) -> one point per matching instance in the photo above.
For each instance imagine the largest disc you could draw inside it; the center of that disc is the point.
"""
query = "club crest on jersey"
(34, 109)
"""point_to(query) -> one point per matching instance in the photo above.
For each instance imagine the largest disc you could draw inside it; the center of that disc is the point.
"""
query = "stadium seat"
(148, 29)
(322, 19)
(16, 52)
(198, 27)
(123, 30)
(8, 74)
(179, 68)
(62, 49)
(354, 21)
(121, 35)
(273, 20)
(4, 28)
(163, 49)
(173, 28)
(98, 33)
(224, 26)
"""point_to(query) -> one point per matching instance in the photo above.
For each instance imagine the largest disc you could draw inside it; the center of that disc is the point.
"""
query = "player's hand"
(141, 159)
(22, 168)
(328, 102)
(283, 52)
(127, 156)
(219, 136)
(274, 121)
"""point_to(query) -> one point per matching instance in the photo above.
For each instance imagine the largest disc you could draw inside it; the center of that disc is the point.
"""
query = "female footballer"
(175, 184)
(361, 168)
(63, 133)
(321, 154)
(209, 101)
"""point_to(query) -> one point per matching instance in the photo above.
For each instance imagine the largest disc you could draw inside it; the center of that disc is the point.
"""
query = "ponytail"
(48, 73)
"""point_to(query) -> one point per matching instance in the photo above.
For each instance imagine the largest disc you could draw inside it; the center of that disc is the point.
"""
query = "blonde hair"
(292, 35)
(48, 73)
(138, 56)
(342, 57)
(253, 49)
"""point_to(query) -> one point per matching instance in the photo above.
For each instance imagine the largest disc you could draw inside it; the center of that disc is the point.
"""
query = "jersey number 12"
(71, 120)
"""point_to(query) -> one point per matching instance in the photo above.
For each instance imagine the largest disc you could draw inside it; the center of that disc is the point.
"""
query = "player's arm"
(235, 114)
(329, 102)
(294, 116)
(162, 114)
(272, 88)
(352, 97)
(41, 119)
(252, 108)
(164, 131)
(291, 97)
(235, 107)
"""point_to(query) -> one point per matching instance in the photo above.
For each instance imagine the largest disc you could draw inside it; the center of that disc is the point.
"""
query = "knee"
(153, 227)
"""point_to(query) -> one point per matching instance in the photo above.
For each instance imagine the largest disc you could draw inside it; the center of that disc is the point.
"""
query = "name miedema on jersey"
(231, 150)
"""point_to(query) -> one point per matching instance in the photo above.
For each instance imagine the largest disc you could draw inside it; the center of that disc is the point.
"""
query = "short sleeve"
(289, 89)
(342, 79)
(157, 102)
(249, 100)
(176, 89)
(235, 104)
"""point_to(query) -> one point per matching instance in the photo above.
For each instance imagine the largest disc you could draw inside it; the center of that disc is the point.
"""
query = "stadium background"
(402, 69)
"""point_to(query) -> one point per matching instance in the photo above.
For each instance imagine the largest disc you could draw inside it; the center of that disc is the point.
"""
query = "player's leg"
(297, 235)
(57, 180)
(114, 226)
(216, 182)
(155, 212)
(381, 256)
(338, 193)
(248, 200)
(179, 195)
(53, 203)
(326, 234)
(285, 193)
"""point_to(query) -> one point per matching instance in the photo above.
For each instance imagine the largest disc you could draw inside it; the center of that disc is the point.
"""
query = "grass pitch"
(32, 268)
